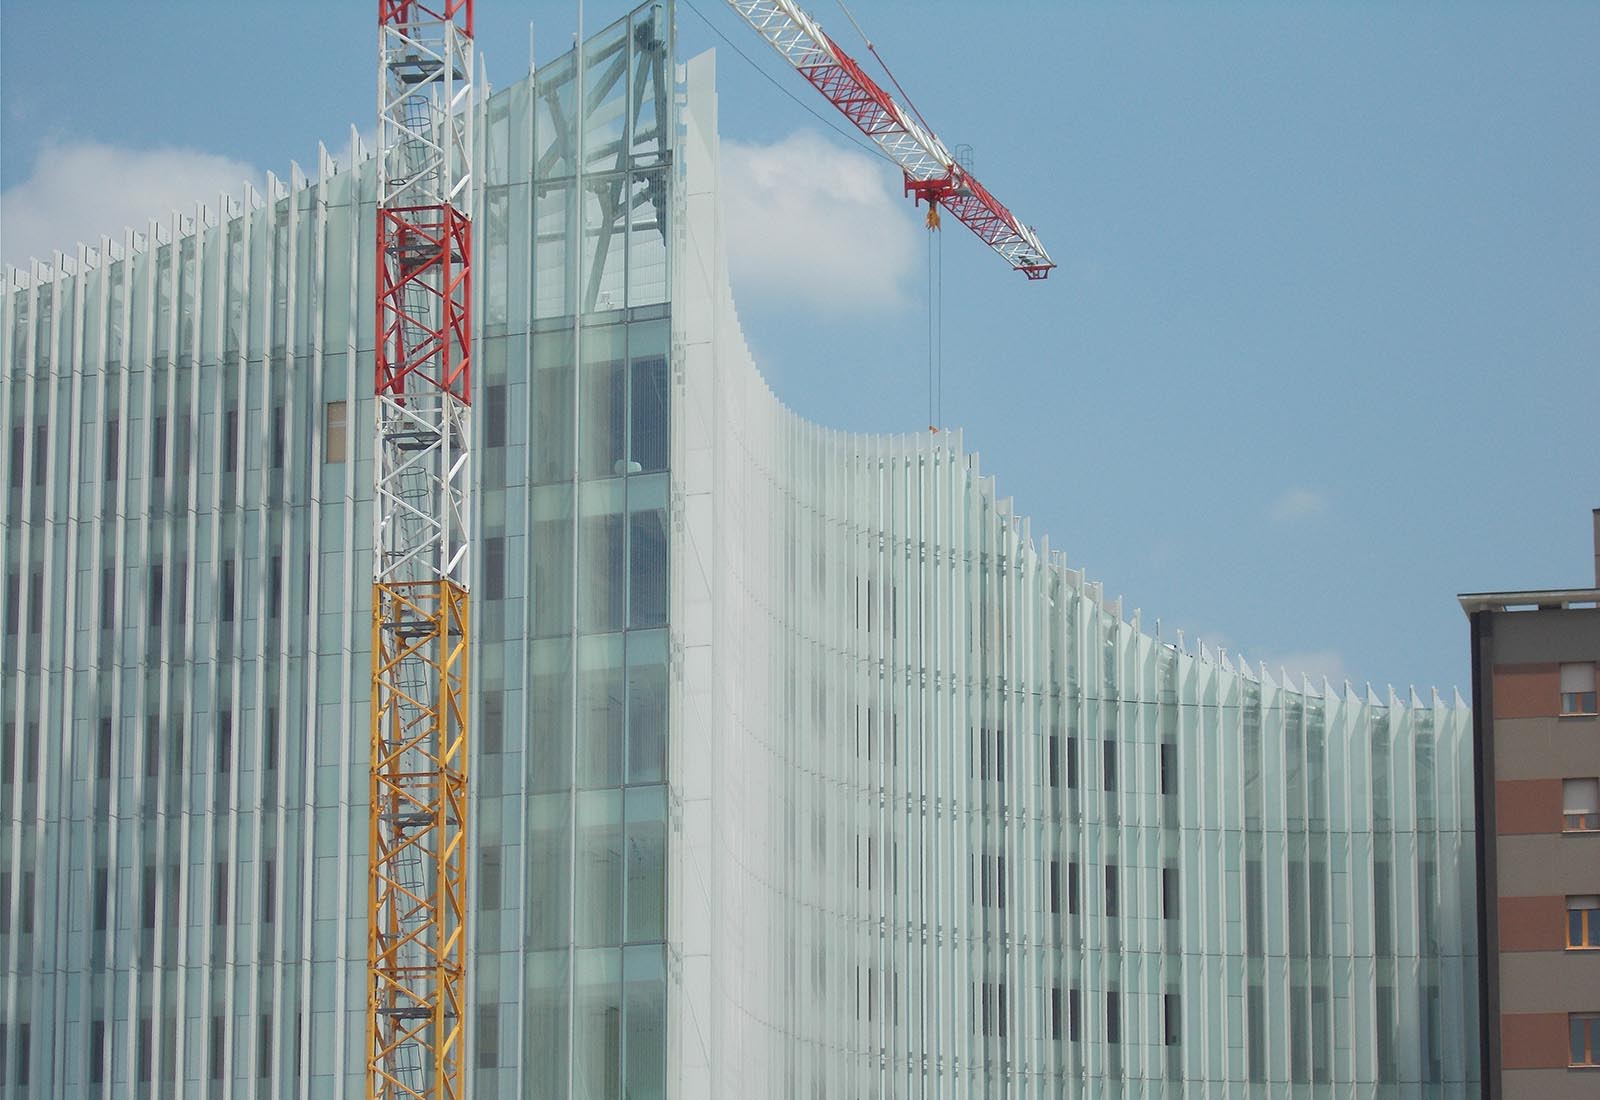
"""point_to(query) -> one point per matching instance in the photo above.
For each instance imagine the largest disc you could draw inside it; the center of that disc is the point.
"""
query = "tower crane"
(417, 830)
(931, 173)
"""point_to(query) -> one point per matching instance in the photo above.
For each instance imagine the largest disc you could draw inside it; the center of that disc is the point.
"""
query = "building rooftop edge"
(1533, 599)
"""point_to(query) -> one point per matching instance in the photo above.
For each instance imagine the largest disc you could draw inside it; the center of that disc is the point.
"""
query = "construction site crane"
(931, 173)
(417, 832)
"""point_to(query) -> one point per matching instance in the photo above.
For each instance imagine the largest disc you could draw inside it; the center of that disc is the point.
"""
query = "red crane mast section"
(931, 173)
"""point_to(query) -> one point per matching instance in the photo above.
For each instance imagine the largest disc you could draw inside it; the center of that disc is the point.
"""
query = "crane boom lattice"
(931, 173)
(417, 832)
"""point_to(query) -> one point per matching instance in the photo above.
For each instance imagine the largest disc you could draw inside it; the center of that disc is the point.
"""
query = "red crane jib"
(847, 86)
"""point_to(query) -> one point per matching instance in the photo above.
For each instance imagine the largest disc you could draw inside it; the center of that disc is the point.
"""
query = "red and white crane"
(931, 173)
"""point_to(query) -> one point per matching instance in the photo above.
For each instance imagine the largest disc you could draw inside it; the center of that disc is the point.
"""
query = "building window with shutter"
(1583, 922)
(1577, 689)
(1580, 805)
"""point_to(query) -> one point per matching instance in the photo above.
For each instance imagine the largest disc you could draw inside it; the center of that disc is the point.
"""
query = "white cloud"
(1297, 504)
(79, 190)
(813, 223)
(1314, 665)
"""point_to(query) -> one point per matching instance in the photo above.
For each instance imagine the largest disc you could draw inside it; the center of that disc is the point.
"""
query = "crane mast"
(417, 832)
(931, 173)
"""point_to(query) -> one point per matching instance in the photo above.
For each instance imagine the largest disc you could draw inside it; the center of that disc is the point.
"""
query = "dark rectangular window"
(148, 906)
(495, 400)
(1256, 1032)
(488, 1036)
(97, 1051)
(264, 1046)
(108, 597)
(274, 584)
(1113, 1017)
(1169, 768)
(1169, 893)
(24, 904)
(41, 454)
(1110, 748)
(489, 879)
(225, 741)
(1382, 907)
(1055, 886)
(1170, 1021)
(102, 898)
(492, 585)
(110, 459)
(19, 453)
(1054, 760)
(219, 893)
(1111, 890)
(225, 595)
(219, 1047)
(279, 430)
(152, 746)
(154, 595)
(492, 726)
(230, 441)
(1072, 763)
(269, 884)
(158, 448)
(24, 1051)
(1055, 1013)
(1074, 1015)
(1072, 888)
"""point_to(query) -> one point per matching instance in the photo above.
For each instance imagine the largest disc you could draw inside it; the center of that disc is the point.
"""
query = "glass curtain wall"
(187, 553)
(957, 826)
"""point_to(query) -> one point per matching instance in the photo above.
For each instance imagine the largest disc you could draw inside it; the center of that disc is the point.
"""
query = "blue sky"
(1323, 349)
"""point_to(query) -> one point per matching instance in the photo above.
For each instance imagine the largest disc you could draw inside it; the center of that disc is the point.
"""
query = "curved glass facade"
(801, 769)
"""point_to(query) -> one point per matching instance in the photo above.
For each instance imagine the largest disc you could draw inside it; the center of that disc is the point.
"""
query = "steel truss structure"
(420, 684)
(931, 173)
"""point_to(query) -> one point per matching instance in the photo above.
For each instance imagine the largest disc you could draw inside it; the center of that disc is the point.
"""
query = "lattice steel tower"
(422, 544)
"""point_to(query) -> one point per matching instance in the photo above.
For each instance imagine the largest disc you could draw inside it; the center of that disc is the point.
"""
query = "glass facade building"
(800, 768)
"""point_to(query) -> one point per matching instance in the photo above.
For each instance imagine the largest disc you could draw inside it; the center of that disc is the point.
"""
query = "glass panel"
(597, 1026)
(600, 711)
(646, 863)
(647, 706)
(645, 1002)
(597, 918)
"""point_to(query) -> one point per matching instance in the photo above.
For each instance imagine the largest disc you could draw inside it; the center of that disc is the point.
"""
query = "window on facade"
(649, 414)
(492, 585)
(490, 877)
(1053, 760)
(230, 441)
(1169, 893)
(1112, 905)
(1169, 768)
(147, 906)
(496, 401)
(1055, 886)
(219, 893)
(102, 898)
(1583, 921)
(1113, 1017)
(158, 448)
(1584, 1029)
(219, 1046)
(1580, 805)
(280, 424)
(224, 741)
(225, 596)
(1074, 1015)
(97, 1051)
(487, 1036)
(1072, 888)
(335, 431)
(41, 457)
(109, 462)
(1577, 688)
(1110, 776)
(647, 567)
(1170, 1019)
(1055, 1013)
(492, 725)
(19, 447)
